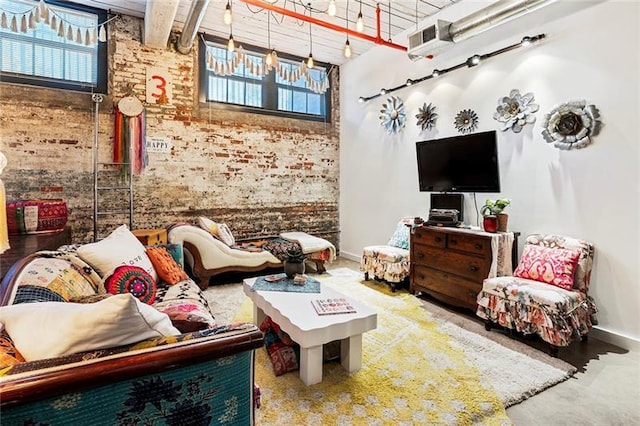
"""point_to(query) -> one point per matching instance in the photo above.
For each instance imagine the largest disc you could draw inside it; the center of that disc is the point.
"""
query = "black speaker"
(449, 201)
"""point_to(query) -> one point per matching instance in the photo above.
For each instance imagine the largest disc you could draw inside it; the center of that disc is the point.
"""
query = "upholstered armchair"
(547, 294)
(390, 262)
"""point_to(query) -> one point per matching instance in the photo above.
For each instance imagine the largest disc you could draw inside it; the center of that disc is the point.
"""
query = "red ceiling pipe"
(310, 19)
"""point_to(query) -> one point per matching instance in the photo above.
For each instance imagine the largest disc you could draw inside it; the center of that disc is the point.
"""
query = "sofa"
(90, 340)
(211, 249)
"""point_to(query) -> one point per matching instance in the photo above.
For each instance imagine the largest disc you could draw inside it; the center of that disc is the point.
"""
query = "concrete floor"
(604, 391)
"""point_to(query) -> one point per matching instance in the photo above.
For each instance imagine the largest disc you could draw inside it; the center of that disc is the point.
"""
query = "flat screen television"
(466, 163)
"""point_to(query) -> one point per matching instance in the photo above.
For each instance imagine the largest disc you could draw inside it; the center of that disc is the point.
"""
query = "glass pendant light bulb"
(332, 8)
(310, 61)
(231, 46)
(269, 59)
(228, 18)
(359, 23)
(347, 49)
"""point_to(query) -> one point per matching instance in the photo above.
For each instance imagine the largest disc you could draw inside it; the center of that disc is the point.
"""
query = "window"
(60, 57)
(271, 94)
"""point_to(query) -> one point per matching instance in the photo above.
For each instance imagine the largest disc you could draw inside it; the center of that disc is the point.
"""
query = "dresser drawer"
(470, 243)
(469, 266)
(423, 235)
(449, 285)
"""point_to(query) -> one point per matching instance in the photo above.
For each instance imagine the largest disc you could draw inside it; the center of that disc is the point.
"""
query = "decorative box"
(36, 216)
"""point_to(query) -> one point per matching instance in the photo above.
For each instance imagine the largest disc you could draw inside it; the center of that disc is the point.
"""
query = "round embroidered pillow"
(134, 280)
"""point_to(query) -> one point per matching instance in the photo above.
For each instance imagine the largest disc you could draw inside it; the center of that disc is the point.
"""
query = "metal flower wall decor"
(427, 116)
(570, 125)
(466, 121)
(393, 115)
(515, 111)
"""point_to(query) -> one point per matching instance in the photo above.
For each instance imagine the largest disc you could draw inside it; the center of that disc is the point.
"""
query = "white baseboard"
(620, 340)
(350, 256)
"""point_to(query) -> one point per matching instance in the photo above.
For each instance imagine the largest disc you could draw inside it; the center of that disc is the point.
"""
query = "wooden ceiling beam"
(158, 20)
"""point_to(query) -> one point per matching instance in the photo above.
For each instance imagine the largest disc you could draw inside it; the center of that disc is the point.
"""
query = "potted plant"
(294, 262)
(494, 218)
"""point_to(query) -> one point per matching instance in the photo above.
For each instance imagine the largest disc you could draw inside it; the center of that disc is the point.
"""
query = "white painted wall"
(591, 52)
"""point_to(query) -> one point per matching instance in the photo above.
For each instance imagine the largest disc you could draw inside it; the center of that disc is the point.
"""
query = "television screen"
(467, 163)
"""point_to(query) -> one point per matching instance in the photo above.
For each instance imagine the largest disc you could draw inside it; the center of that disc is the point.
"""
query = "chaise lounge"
(210, 255)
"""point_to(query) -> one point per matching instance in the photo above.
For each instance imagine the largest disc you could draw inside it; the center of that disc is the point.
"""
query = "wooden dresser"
(448, 264)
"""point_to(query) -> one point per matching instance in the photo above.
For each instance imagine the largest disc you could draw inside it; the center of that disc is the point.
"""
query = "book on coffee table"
(333, 306)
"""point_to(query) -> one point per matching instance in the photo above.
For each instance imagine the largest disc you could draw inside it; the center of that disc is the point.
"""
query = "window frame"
(269, 85)
(54, 83)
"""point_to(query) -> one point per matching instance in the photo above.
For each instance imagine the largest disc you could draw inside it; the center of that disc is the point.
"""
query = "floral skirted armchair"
(547, 295)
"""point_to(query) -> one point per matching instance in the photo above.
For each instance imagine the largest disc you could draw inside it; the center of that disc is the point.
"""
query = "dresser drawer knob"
(438, 239)
(422, 277)
(420, 255)
(473, 268)
(453, 241)
(478, 246)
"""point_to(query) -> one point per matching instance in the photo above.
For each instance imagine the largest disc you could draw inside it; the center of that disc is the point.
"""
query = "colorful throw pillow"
(9, 355)
(134, 280)
(188, 316)
(121, 247)
(166, 267)
(52, 329)
(555, 266)
(225, 235)
(53, 275)
(283, 352)
(184, 302)
(400, 237)
(209, 226)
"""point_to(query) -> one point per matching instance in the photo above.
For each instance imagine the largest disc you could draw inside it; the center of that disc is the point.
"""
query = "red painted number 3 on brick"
(158, 86)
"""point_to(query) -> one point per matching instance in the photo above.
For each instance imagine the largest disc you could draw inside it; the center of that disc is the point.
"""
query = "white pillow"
(121, 247)
(51, 329)
(219, 230)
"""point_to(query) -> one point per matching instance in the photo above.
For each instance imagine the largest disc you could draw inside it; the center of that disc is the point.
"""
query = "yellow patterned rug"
(414, 372)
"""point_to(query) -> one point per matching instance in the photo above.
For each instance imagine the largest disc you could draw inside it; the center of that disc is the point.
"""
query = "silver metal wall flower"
(570, 125)
(466, 121)
(427, 116)
(393, 115)
(515, 111)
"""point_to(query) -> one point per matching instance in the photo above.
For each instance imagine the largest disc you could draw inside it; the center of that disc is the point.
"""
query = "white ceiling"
(291, 35)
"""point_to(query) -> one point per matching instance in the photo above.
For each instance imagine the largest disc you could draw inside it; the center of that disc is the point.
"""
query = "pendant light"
(231, 45)
(332, 8)
(310, 58)
(228, 18)
(360, 21)
(347, 49)
(347, 46)
(269, 60)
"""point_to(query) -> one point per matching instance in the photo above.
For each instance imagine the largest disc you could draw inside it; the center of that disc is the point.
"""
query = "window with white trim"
(68, 56)
(248, 88)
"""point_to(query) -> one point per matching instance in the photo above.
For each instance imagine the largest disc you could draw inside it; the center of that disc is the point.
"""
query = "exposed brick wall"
(258, 173)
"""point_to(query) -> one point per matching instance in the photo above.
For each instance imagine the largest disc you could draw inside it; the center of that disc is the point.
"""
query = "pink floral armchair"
(547, 294)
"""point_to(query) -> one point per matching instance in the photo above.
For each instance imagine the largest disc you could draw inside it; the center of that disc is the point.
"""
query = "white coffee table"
(295, 315)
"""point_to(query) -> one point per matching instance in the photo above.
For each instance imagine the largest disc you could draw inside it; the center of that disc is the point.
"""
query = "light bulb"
(435, 73)
(361, 99)
(231, 46)
(383, 91)
(409, 82)
(228, 18)
(526, 41)
(269, 59)
(359, 23)
(347, 49)
(310, 61)
(332, 8)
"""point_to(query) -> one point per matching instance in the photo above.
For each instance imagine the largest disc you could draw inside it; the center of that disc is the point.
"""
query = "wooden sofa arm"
(77, 377)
